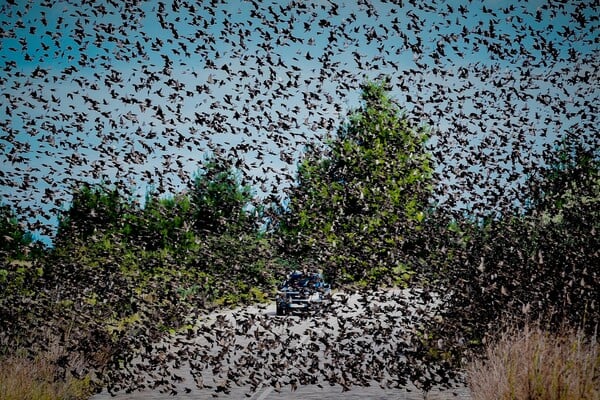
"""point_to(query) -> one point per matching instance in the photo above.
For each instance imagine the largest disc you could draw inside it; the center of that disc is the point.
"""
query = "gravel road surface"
(351, 351)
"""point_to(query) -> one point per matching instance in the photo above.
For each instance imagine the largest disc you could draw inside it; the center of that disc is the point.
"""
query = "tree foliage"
(217, 201)
(358, 201)
(534, 265)
(14, 240)
(94, 209)
(122, 273)
(567, 191)
(165, 222)
(219, 198)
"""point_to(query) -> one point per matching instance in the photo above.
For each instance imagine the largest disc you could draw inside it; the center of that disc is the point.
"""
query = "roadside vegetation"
(120, 274)
(40, 378)
(532, 363)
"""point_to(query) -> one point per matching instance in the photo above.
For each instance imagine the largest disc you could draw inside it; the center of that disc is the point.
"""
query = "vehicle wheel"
(279, 309)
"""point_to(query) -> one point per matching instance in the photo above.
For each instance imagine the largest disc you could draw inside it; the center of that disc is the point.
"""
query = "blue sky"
(97, 91)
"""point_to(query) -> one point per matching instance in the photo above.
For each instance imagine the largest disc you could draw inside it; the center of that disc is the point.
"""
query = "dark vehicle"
(302, 292)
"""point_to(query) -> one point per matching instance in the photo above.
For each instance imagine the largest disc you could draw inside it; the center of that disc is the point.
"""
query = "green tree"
(535, 265)
(220, 200)
(359, 200)
(14, 240)
(564, 222)
(568, 190)
(166, 222)
(94, 210)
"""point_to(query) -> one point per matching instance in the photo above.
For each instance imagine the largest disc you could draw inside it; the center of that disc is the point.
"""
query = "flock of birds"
(358, 339)
(136, 93)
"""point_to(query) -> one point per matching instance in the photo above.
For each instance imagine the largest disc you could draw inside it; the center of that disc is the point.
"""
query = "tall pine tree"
(360, 199)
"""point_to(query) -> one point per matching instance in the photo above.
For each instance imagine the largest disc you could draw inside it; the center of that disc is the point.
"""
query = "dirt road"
(354, 351)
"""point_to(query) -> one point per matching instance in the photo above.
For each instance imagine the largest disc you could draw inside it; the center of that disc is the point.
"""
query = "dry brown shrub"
(531, 363)
(23, 378)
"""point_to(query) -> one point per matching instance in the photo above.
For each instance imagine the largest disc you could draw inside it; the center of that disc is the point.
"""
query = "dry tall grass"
(25, 379)
(532, 364)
